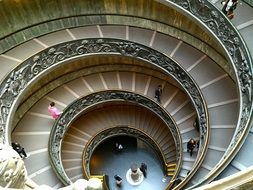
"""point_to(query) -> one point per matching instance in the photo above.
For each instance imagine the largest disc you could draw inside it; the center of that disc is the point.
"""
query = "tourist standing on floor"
(118, 180)
(143, 169)
(55, 113)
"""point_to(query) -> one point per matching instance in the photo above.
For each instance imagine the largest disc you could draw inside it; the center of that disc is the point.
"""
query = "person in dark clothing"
(228, 7)
(196, 124)
(118, 180)
(158, 93)
(143, 169)
(198, 143)
(19, 149)
(191, 145)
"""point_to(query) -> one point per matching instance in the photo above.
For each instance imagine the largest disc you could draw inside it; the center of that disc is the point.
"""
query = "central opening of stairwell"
(110, 160)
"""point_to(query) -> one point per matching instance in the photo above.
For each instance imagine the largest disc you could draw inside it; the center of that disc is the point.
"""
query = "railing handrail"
(213, 20)
(85, 103)
(119, 131)
(219, 26)
(35, 67)
(230, 182)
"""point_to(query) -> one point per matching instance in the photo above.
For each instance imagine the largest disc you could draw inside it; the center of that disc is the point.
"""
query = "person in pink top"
(55, 113)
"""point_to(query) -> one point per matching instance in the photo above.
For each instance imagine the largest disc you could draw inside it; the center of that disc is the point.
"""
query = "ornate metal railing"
(18, 81)
(242, 180)
(84, 104)
(202, 11)
(116, 131)
(240, 60)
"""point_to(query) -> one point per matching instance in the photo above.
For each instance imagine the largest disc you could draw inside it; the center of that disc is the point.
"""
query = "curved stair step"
(98, 82)
(76, 152)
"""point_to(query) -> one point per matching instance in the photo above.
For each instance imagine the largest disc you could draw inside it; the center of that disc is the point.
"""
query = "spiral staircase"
(211, 66)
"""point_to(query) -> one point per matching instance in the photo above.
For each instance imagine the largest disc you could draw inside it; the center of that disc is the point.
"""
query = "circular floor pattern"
(131, 181)
(105, 160)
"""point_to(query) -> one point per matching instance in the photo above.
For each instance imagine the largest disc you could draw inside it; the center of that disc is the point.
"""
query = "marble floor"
(106, 160)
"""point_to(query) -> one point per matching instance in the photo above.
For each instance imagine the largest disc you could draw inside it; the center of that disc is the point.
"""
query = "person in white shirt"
(228, 7)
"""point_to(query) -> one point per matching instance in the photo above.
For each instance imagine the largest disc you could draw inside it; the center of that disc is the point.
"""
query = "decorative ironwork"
(216, 22)
(115, 131)
(25, 73)
(17, 81)
(237, 51)
(33, 68)
(81, 105)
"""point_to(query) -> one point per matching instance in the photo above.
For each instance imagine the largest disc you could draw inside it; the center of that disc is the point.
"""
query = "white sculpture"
(12, 170)
(94, 184)
(134, 175)
(14, 175)
(80, 184)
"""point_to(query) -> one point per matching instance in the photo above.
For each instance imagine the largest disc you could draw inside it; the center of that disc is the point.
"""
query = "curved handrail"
(217, 24)
(240, 180)
(87, 102)
(19, 80)
(103, 135)
(236, 49)
(29, 101)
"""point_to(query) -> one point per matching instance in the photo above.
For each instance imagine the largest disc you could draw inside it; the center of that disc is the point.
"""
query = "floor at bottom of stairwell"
(106, 160)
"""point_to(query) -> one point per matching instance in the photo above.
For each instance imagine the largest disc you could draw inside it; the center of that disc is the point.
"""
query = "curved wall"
(19, 40)
(54, 16)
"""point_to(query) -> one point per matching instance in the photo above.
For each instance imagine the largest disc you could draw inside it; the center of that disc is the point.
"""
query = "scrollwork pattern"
(81, 105)
(229, 37)
(18, 79)
(118, 130)
(219, 25)
(25, 73)
(32, 67)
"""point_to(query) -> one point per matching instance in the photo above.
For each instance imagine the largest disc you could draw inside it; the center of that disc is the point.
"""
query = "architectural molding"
(84, 104)
(124, 131)
(19, 80)
(219, 26)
